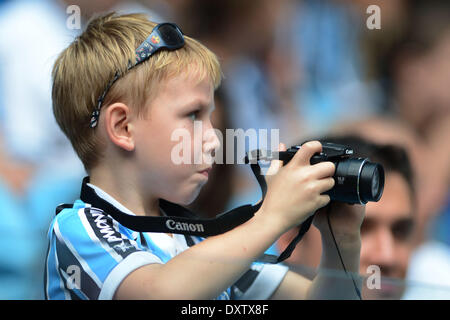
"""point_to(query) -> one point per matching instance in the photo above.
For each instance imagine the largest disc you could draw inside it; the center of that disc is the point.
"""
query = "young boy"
(120, 90)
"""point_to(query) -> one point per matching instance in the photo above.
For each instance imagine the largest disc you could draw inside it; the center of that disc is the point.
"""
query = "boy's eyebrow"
(201, 104)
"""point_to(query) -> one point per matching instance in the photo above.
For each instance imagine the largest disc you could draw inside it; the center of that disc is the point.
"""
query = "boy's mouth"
(206, 171)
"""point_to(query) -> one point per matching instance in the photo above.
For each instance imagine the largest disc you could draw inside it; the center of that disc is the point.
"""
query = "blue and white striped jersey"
(90, 254)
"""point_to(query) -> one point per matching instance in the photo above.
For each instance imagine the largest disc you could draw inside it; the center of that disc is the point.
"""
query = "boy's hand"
(295, 192)
(345, 220)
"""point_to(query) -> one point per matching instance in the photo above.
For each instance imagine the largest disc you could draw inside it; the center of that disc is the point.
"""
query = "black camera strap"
(183, 221)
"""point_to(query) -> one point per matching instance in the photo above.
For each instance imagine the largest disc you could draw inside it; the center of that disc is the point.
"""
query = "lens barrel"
(371, 182)
(357, 181)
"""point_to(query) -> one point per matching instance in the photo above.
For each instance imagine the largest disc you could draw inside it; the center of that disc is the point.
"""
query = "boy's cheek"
(182, 185)
(155, 149)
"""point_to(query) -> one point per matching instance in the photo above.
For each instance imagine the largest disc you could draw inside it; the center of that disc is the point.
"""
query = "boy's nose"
(211, 141)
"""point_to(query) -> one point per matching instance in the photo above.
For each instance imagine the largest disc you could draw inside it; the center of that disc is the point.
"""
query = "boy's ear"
(118, 125)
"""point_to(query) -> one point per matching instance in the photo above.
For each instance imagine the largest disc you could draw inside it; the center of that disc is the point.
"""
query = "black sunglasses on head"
(163, 36)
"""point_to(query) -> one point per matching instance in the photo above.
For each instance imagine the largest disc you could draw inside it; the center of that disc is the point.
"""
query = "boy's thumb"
(275, 165)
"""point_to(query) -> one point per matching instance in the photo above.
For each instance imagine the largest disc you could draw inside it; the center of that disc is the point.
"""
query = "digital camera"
(357, 179)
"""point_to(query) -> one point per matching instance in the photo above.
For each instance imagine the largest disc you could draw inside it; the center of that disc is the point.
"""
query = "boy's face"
(165, 137)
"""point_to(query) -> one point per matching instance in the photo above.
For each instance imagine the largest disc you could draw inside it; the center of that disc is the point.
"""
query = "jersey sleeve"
(89, 255)
(259, 282)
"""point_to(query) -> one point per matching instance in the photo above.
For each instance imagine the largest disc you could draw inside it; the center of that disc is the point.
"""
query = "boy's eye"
(194, 115)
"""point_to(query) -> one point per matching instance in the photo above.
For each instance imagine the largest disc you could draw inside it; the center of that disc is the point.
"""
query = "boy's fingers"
(323, 200)
(325, 185)
(324, 169)
(307, 150)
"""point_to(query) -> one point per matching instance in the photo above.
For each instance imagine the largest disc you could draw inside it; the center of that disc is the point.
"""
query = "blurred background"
(310, 68)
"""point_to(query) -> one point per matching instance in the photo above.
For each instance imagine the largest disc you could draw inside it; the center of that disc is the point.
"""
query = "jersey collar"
(110, 199)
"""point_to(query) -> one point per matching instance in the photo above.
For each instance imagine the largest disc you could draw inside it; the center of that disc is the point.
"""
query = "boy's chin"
(184, 199)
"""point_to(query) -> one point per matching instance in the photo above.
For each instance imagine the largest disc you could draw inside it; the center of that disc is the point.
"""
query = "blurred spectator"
(428, 275)
(420, 73)
(387, 230)
(325, 36)
(420, 68)
(414, 68)
(18, 251)
(389, 130)
(376, 44)
(429, 203)
(33, 151)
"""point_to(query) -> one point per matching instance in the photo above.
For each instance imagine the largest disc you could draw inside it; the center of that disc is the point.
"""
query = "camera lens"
(371, 182)
(375, 183)
(357, 181)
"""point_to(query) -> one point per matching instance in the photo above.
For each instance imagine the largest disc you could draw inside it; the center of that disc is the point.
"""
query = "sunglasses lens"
(171, 35)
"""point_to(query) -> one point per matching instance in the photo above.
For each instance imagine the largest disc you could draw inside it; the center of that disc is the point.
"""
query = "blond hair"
(84, 69)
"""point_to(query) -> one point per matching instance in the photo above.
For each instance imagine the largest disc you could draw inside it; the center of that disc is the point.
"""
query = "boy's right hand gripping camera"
(357, 179)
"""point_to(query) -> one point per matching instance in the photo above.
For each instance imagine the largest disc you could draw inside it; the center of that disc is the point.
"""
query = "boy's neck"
(125, 191)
